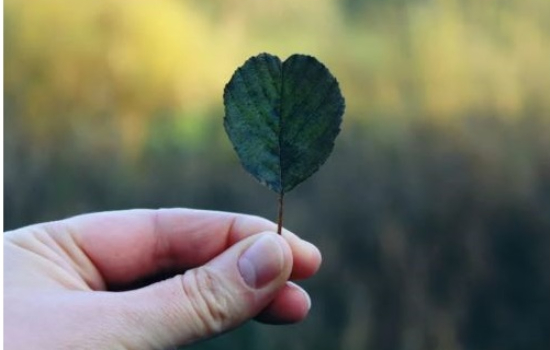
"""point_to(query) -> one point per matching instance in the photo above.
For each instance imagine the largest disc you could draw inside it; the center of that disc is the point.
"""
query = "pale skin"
(149, 279)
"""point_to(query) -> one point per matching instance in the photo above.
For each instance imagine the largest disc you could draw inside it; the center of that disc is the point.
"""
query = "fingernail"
(304, 293)
(308, 298)
(312, 248)
(262, 262)
(305, 244)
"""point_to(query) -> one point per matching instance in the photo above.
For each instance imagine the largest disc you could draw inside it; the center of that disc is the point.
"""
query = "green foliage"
(283, 118)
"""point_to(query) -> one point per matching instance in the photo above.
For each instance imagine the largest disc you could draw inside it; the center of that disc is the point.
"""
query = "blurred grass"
(433, 214)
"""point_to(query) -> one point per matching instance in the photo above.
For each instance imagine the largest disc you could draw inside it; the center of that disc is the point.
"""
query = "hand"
(149, 279)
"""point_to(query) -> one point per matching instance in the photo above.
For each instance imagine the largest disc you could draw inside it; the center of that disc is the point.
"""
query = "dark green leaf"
(282, 118)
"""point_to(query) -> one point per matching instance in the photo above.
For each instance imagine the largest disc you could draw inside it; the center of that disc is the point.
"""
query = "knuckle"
(209, 301)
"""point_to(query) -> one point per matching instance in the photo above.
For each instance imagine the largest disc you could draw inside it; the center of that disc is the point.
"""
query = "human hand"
(149, 279)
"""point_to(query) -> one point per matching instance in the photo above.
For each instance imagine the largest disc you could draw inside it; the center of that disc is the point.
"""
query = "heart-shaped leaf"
(282, 118)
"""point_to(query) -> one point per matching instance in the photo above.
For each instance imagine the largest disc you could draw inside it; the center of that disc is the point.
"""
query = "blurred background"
(433, 213)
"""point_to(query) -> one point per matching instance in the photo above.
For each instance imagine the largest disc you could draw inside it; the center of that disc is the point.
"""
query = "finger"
(129, 246)
(307, 256)
(291, 305)
(211, 299)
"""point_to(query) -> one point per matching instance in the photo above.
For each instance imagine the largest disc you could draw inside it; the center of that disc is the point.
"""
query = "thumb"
(208, 300)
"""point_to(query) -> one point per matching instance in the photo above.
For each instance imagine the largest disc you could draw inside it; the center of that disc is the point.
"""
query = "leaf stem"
(280, 219)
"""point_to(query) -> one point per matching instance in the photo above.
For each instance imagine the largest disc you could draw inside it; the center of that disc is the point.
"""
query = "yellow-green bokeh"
(421, 59)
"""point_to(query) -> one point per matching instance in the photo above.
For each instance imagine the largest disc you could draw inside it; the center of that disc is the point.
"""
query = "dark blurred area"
(433, 213)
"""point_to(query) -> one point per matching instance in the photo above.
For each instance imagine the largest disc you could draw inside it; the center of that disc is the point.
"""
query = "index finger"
(128, 246)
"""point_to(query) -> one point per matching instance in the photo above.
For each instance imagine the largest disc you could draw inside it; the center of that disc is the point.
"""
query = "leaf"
(282, 118)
